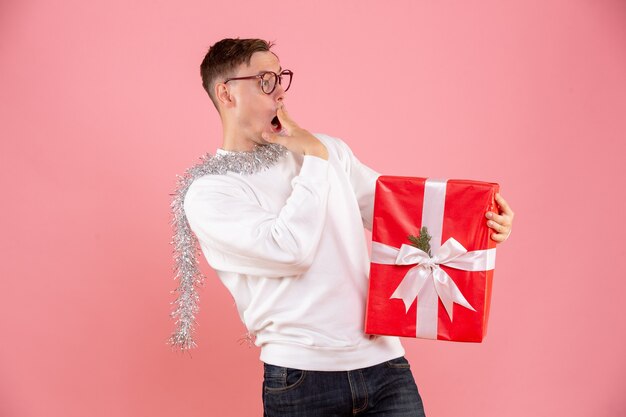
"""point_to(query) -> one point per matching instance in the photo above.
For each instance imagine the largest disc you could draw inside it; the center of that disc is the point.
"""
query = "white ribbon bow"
(451, 254)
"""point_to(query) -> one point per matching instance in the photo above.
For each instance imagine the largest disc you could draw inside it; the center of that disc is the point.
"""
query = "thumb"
(271, 137)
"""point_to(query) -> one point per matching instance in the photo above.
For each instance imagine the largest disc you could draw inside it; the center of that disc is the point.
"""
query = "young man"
(279, 214)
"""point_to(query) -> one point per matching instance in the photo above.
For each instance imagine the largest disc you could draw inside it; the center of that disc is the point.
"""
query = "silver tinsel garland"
(186, 248)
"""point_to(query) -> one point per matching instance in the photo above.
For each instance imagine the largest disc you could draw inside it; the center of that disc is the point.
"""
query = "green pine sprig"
(422, 241)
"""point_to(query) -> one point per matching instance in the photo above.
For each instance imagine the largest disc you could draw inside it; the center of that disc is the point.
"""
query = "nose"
(279, 93)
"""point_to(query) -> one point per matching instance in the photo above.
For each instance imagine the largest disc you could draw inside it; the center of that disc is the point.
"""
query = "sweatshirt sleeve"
(362, 178)
(239, 235)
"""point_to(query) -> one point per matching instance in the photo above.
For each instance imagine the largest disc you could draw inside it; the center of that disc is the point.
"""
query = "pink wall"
(102, 106)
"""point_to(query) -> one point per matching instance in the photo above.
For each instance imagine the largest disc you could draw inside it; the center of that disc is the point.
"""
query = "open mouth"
(276, 126)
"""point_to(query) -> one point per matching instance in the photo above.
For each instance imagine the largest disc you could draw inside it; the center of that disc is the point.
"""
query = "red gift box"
(443, 294)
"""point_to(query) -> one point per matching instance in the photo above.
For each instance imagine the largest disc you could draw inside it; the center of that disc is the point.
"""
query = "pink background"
(102, 106)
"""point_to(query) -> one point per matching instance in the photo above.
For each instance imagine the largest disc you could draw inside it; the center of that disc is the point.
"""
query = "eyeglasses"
(268, 80)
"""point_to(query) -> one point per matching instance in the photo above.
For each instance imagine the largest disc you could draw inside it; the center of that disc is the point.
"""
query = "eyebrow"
(280, 69)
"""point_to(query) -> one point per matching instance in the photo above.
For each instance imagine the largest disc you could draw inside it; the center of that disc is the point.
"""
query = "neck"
(234, 139)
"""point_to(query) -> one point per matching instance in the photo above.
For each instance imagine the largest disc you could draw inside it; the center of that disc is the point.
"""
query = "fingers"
(288, 128)
(504, 206)
(496, 218)
(498, 237)
(500, 228)
(500, 223)
(298, 141)
(285, 119)
(506, 214)
(503, 231)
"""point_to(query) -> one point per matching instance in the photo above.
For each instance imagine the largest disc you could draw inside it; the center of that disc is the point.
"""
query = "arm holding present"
(364, 183)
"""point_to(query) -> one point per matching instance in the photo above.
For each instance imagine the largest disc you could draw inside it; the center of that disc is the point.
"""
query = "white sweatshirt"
(288, 243)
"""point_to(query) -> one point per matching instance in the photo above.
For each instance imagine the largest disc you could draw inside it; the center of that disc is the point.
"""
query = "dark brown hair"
(226, 55)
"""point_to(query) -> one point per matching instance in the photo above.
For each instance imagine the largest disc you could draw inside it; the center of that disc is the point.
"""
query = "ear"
(223, 95)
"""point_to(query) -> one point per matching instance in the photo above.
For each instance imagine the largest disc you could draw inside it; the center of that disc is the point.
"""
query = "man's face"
(254, 110)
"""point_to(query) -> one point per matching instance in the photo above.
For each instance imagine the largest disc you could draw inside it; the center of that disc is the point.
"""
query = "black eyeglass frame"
(277, 77)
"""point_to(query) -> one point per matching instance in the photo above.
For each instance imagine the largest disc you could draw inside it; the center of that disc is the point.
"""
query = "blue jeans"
(387, 389)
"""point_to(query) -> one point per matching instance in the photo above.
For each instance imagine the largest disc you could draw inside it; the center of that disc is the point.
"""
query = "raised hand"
(295, 138)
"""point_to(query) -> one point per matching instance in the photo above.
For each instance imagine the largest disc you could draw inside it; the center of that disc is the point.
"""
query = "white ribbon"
(451, 254)
(427, 281)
